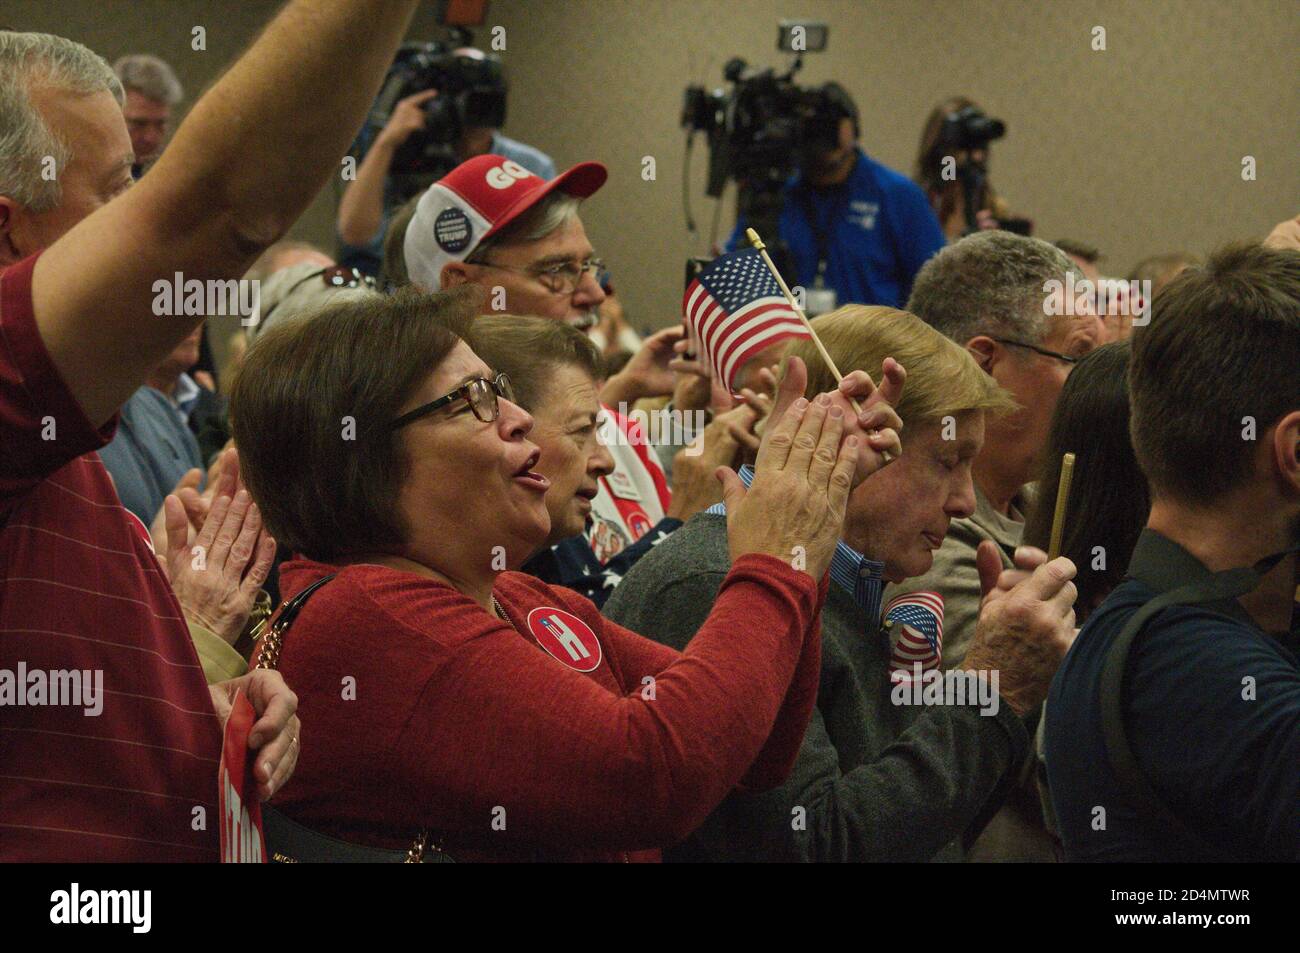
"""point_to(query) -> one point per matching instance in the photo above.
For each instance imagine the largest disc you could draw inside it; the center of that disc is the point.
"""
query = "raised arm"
(252, 154)
(361, 210)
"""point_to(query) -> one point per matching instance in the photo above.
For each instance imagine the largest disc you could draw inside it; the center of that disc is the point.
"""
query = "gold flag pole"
(821, 348)
(1062, 500)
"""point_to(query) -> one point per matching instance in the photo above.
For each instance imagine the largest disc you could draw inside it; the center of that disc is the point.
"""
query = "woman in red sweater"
(440, 690)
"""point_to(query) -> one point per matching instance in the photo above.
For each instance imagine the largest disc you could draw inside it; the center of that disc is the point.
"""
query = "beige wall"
(1137, 149)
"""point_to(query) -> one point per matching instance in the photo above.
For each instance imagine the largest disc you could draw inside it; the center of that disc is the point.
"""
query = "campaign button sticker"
(638, 523)
(566, 637)
(452, 230)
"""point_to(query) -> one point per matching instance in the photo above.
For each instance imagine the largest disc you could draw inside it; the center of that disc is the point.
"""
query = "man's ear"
(985, 350)
(9, 252)
(848, 132)
(455, 273)
(1286, 451)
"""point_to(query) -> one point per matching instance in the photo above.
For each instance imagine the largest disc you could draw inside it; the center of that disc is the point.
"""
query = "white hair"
(149, 76)
(552, 212)
(27, 61)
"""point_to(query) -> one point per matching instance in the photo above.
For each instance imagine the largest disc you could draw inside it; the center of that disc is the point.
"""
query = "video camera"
(970, 129)
(471, 92)
(765, 127)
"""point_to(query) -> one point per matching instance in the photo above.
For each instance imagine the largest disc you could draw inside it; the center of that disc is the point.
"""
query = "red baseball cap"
(476, 200)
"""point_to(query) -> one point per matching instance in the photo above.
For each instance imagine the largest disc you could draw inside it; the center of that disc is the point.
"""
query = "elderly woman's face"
(468, 480)
(573, 458)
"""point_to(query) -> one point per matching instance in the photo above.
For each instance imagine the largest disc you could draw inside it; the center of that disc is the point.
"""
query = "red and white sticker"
(637, 522)
(565, 637)
(242, 840)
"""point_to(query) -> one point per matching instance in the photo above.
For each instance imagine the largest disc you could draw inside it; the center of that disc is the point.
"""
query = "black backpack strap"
(1224, 587)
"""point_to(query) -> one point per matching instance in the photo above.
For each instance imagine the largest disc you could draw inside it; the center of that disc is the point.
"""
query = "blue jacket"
(880, 230)
(572, 564)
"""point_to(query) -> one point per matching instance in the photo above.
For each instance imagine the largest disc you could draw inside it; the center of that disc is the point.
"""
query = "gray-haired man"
(152, 91)
(80, 331)
(1003, 297)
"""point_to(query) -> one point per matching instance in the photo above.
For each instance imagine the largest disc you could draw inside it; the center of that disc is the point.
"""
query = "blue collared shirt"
(860, 577)
(185, 397)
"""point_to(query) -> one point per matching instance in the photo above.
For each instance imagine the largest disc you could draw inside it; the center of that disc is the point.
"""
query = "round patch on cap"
(452, 230)
(566, 637)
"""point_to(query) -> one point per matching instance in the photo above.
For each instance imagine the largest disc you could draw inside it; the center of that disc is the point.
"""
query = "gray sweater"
(874, 781)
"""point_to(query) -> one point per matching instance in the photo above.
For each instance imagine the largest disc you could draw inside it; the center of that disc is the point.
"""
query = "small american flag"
(242, 841)
(735, 308)
(918, 633)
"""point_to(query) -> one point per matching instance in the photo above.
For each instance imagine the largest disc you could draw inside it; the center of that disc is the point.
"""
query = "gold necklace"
(501, 612)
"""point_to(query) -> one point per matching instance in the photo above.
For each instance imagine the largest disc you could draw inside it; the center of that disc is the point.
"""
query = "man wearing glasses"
(492, 223)
(990, 293)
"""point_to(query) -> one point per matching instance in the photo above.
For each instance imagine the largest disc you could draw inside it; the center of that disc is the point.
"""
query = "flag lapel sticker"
(917, 633)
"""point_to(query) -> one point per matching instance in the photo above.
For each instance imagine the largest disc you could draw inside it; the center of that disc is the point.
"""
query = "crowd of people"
(824, 619)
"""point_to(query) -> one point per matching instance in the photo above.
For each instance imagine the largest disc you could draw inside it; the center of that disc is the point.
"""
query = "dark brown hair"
(1109, 502)
(930, 153)
(1162, 269)
(1221, 355)
(310, 409)
(530, 349)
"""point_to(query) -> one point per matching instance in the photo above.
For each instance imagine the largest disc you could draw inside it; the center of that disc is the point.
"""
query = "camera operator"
(857, 231)
(952, 168)
(369, 201)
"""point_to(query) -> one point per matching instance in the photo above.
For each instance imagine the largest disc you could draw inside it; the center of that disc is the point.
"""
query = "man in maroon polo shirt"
(132, 773)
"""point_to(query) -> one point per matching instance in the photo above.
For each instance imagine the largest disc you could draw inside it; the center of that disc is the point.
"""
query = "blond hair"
(942, 378)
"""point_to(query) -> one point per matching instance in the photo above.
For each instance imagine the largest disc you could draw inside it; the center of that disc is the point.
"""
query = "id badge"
(819, 300)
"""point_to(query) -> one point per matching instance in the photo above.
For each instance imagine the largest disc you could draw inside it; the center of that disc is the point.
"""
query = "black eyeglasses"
(481, 393)
(1040, 350)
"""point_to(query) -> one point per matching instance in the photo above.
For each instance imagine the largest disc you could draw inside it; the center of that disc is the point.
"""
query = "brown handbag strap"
(268, 657)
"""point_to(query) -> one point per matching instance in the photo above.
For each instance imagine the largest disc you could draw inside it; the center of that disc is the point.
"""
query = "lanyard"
(821, 234)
